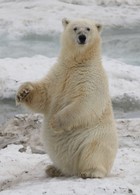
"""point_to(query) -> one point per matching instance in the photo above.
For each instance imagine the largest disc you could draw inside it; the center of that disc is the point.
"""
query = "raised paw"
(24, 94)
(52, 171)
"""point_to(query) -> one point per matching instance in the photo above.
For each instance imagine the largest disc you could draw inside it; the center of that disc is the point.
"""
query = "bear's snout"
(82, 39)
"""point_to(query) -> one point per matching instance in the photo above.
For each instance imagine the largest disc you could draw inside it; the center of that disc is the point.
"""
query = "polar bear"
(79, 130)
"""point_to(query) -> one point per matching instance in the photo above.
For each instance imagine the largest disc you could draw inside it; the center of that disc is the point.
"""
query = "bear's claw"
(24, 94)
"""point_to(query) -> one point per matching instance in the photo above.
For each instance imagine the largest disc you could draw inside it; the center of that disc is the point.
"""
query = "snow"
(41, 17)
(32, 26)
(23, 172)
(15, 71)
(124, 79)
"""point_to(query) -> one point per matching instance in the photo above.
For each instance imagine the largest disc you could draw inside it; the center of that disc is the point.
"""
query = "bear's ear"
(99, 27)
(65, 22)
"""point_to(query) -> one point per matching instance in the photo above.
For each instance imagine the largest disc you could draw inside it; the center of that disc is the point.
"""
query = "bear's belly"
(67, 148)
(64, 149)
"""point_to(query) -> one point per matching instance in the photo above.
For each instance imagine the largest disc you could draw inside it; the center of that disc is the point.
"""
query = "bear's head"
(80, 34)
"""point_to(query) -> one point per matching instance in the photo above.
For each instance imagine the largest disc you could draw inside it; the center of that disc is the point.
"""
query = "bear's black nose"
(82, 39)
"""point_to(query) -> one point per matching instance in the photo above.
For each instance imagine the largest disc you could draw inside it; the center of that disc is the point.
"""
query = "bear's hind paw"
(52, 171)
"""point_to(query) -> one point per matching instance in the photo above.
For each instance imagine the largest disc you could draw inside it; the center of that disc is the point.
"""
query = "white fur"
(79, 130)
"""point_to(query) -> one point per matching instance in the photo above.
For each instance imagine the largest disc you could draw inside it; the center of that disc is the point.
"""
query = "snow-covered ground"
(22, 167)
(24, 174)
(29, 45)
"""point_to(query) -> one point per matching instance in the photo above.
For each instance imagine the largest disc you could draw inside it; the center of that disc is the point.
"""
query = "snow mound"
(124, 83)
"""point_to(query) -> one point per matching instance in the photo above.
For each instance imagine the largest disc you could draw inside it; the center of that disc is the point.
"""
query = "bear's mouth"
(82, 39)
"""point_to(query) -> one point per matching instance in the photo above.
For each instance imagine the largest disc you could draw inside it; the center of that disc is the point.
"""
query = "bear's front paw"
(25, 93)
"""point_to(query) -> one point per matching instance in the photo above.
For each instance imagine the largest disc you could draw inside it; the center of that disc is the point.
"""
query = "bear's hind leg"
(93, 173)
(52, 171)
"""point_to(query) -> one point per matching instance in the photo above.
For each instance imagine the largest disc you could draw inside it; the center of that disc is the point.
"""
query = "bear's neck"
(80, 56)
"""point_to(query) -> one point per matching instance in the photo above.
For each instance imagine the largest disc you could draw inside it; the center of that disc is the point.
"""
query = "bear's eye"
(88, 29)
(75, 29)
